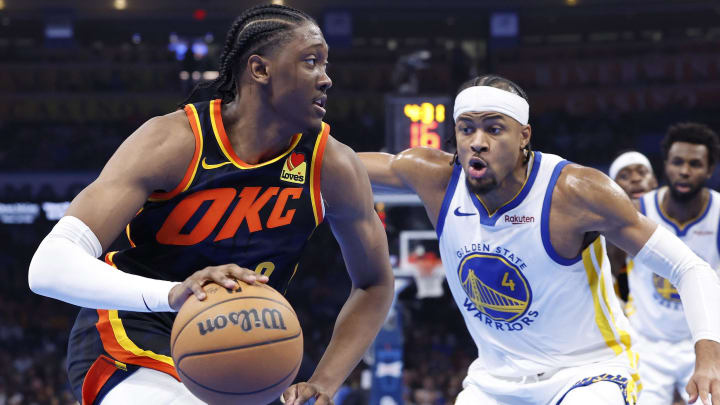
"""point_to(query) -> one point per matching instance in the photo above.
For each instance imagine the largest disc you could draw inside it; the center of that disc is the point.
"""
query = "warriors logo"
(496, 286)
(666, 290)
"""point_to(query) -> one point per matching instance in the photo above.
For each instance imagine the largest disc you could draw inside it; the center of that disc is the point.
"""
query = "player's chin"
(313, 125)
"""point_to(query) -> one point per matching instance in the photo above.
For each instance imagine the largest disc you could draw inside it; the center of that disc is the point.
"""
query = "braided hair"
(498, 82)
(258, 30)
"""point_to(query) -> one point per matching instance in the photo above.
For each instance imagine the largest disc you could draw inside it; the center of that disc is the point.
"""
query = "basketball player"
(224, 190)
(691, 211)
(633, 172)
(520, 239)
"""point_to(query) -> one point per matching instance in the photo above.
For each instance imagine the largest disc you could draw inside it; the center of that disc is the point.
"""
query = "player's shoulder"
(159, 151)
(170, 133)
(585, 187)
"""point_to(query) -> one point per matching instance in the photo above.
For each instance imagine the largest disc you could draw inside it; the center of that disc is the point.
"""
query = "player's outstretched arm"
(65, 265)
(362, 239)
(609, 211)
(408, 170)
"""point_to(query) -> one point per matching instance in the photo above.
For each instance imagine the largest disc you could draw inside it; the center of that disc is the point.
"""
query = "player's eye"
(311, 61)
(467, 130)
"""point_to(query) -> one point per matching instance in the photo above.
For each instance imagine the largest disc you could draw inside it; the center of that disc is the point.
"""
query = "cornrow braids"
(258, 30)
(497, 82)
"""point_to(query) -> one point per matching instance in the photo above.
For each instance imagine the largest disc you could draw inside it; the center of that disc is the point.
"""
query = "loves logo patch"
(294, 160)
(294, 169)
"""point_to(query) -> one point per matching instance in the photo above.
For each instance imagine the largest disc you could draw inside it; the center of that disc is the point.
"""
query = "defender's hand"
(706, 378)
(298, 394)
(225, 275)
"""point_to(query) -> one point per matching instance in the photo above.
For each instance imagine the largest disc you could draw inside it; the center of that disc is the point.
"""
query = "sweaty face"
(489, 145)
(298, 78)
(687, 169)
(636, 180)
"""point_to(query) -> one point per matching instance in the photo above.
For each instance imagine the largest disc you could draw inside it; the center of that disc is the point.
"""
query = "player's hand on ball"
(706, 378)
(299, 394)
(224, 275)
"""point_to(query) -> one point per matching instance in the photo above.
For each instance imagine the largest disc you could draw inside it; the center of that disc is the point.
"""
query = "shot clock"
(416, 121)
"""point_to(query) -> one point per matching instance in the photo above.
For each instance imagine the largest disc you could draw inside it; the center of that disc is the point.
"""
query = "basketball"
(241, 346)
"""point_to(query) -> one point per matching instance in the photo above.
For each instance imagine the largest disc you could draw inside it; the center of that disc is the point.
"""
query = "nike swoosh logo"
(463, 214)
(205, 165)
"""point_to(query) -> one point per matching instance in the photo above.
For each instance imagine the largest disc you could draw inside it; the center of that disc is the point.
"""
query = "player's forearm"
(65, 267)
(355, 328)
(696, 282)
(379, 169)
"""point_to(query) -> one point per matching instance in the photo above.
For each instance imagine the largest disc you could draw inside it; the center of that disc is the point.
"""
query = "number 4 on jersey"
(508, 283)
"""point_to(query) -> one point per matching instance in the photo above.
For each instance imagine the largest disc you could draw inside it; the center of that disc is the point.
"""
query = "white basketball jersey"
(528, 309)
(654, 305)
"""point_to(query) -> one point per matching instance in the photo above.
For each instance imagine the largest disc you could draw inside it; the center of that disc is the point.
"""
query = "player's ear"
(526, 134)
(258, 69)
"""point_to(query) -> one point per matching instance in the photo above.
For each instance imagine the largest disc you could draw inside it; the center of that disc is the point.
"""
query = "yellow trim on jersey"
(127, 344)
(600, 318)
(196, 162)
(592, 258)
(312, 174)
(630, 308)
(532, 162)
(293, 273)
(122, 337)
(127, 229)
(683, 225)
(214, 104)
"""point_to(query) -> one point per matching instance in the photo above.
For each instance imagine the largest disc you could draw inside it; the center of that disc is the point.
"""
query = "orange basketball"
(241, 346)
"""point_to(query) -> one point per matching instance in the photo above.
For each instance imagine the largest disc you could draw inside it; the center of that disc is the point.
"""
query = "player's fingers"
(703, 387)
(246, 275)
(304, 392)
(196, 288)
(290, 394)
(222, 278)
(704, 397)
(715, 392)
(692, 390)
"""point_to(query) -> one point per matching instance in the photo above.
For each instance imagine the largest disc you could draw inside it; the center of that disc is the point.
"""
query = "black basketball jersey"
(224, 211)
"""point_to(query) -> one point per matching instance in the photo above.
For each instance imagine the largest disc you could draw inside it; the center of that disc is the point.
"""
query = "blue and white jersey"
(528, 309)
(654, 306)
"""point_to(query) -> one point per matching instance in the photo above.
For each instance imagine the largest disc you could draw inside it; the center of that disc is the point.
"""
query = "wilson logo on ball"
(247, 320)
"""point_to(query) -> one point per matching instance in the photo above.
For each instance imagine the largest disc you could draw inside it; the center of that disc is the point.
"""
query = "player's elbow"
(40, 277)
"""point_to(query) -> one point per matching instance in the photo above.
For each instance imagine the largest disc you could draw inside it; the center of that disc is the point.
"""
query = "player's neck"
(508, 189)
(255, 135)
(684, 211)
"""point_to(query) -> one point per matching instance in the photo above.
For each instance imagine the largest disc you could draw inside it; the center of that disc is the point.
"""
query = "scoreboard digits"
(415, 121)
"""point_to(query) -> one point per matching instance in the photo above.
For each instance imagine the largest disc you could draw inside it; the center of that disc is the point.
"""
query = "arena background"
(77, 77)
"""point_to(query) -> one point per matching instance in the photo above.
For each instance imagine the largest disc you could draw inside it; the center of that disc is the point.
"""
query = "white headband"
(627, 159)
(486, 98)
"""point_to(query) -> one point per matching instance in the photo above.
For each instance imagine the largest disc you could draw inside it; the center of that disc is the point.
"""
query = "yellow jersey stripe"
(313, 186)
(122, 337)
(195, 162)
(598, 257)
(600, 319)
(127, 344)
